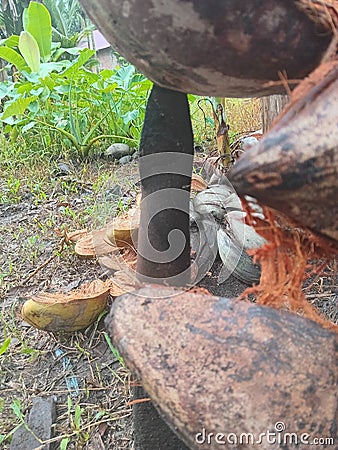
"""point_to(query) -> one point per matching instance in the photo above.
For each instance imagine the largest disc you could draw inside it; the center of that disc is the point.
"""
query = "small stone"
(135, 155)
(125, 160)
(118, 150)
(113, 192)
(40, 421)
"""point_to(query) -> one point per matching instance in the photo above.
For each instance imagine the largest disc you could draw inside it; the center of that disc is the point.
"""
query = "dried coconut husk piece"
(74, 236)
(287, 260)
(294, 168)
(124, 229)
(198, 183)
(94, 244)
(323, 12)
(121, 258)
(122, 282)
(208, 363)
(66, 312)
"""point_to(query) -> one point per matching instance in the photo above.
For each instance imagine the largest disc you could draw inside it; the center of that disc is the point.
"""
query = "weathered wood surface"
(227, 366)
(294, 168)
(220, 47)
(271, 107)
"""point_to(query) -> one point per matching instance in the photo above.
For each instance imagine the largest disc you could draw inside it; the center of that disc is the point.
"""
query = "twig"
(62, 243)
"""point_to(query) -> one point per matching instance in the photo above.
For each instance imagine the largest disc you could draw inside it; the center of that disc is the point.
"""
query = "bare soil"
(76, 368)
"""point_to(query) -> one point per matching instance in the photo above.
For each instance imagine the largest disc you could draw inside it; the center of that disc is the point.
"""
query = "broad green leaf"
(84, 56)
(5, 345)
(30, 51)
(48, 82)
(28, 126)
(37, 22)
(13, 57)
(24, 88)
(16, 107)
(130, 116)
(25, 19)
(34, 107)
(47, 68)
(6, 90)
(58, 20)
(11, 41)
(106, 73)
(60, 51)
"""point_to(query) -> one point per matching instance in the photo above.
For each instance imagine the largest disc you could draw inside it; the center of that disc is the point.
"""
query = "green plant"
(62, 101)
(5, 345)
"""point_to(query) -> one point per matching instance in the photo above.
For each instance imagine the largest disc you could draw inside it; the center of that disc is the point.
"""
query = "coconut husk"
(94, 244)
(74, 236)
(294, 168)
(124, 228)
(198, 184)
(323, 12)
(288, 259)
(66, 312)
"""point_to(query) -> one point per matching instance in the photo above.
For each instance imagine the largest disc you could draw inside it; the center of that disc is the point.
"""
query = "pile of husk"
(301, 243)
(291, 256)
(114, 246)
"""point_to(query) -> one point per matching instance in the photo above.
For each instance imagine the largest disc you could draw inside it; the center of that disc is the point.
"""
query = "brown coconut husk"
(291, 256)
(323, 12)
(294, 254)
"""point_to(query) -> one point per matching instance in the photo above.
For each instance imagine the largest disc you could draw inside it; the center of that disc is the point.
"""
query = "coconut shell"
(124, 229)
(228, 366)
(66, 312)
(222, 48)
(122, 258)
(294, 168)
(94, 244)
(121, 283)
(76, 235)
(198, 184)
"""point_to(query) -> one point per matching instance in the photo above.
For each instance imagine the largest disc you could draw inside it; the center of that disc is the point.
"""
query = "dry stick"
(62, 243)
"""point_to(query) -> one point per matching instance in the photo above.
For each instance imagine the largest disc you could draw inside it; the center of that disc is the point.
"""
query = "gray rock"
(118, 150)
(113, 192)
(125, 160)
(135, 155)
(40, 420)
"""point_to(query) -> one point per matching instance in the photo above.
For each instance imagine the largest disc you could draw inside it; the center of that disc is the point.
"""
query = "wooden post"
(271, 107)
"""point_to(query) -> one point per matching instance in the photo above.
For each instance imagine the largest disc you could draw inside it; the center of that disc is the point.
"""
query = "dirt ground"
(90, 386)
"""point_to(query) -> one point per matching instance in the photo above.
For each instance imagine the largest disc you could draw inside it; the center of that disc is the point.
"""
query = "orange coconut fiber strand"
(324, 12)
(291, 256)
